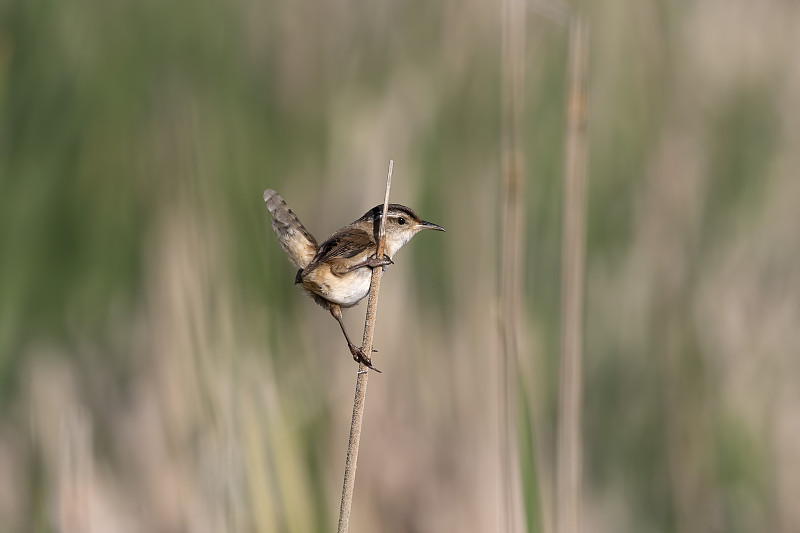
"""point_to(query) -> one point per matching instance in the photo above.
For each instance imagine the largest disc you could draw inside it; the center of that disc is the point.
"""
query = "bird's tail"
(296, 241)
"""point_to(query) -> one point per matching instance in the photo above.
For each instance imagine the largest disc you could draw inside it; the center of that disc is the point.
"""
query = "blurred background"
(160, 372)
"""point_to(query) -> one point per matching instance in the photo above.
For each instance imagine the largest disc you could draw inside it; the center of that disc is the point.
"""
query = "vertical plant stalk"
(363, 373)
(512, 252)
(568, 467)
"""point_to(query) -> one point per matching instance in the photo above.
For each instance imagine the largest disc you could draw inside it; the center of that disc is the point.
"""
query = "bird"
(338, 272)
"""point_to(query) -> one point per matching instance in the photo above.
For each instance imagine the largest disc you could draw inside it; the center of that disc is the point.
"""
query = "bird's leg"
(372, 262)
(358, 353)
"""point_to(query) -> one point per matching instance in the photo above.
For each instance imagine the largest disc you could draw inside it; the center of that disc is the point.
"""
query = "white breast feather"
(354, 290)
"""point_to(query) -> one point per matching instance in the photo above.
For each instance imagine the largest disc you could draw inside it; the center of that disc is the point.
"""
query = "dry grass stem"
(568, 467)
(363, 373)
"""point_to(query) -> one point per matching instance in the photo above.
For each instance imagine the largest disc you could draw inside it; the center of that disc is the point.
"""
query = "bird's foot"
(374, 262)
(360, 357)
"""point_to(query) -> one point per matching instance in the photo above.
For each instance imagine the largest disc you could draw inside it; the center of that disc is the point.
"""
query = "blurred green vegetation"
(159, 371)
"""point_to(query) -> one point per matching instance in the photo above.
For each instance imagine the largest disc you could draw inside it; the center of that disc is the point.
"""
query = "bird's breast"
(346, 290)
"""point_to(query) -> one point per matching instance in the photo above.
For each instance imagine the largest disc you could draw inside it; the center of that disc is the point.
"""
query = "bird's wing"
(345, 243)
(295, 239)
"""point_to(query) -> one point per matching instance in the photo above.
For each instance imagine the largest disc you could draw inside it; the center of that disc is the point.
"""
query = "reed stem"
(363, 373)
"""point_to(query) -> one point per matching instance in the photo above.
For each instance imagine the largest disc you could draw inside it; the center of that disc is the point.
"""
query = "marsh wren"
(338, 272)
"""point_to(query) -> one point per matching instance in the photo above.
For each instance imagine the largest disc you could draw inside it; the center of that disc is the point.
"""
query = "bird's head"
(402, 223)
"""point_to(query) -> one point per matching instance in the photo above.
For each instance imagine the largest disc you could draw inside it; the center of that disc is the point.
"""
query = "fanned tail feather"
(296, 241)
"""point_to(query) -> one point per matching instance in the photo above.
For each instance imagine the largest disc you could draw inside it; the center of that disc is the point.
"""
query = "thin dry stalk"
(363, 373)
(568, 468)
(512, 252)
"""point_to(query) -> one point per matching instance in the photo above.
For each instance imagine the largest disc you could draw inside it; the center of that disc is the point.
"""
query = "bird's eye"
(401, 221)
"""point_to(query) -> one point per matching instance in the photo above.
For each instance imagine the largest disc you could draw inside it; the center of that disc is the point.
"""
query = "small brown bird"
(338, 272)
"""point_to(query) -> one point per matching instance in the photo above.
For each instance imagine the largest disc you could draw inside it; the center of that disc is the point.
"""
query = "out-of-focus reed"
(159, 371)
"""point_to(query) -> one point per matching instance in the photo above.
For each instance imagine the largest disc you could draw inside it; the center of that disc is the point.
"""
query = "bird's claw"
(360, 357)
(374, 262)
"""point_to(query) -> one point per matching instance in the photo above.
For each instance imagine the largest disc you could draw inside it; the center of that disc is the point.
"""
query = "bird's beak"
(430, 225)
